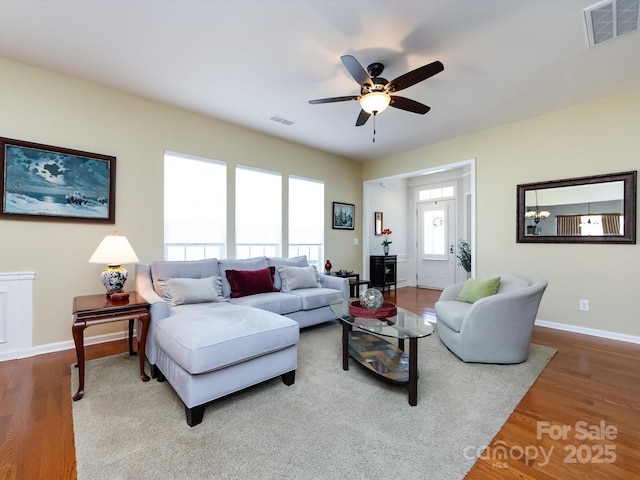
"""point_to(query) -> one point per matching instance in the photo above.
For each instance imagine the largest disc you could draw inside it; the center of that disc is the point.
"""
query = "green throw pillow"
(476, 288)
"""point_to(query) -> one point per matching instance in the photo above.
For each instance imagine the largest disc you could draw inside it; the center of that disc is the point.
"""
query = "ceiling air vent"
(610, 19)
(284, 121)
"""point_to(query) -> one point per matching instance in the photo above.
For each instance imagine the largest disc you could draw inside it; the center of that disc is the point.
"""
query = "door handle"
(451, 248)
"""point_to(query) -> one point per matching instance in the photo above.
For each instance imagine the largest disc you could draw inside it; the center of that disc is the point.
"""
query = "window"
(195, 206)
(306, 219)
(258, 213)
(434, 231)
(590, 225)
(436, 193)
(195, 212)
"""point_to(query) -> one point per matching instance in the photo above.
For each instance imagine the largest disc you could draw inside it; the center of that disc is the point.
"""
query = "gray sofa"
(209, 338)
(494, 329)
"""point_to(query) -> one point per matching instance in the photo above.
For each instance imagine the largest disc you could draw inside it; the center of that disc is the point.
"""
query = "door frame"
(369, 242)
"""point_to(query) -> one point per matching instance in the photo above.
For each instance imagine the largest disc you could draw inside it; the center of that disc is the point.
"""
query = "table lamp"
(114, 250)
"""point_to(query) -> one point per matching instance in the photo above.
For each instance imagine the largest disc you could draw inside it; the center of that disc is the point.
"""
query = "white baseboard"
(622, 337)
(59, 346)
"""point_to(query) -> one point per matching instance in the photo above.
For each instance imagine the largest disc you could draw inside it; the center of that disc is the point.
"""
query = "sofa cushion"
(276, 302)
(294, 278)
(300, 261)
(451, 313)
(215, 335)
(164, 269)
(476, 288)
(316, 297)
(251, 282)
(225, 264)
(180, 291)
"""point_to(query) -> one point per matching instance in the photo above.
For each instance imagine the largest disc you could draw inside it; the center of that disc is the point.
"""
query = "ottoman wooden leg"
(194, 415)
(289, 378)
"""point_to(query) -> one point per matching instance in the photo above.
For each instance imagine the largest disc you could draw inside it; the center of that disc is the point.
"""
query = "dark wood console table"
(91, 310)
(382, 269)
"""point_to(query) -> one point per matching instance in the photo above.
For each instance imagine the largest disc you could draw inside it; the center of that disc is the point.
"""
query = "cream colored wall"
(596, 138)
(43, 107)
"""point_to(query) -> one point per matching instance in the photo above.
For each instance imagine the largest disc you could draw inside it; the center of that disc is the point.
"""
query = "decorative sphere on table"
(371, 299)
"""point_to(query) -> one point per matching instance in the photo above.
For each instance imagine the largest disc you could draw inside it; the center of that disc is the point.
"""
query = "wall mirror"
(377, 223)
(596, 209)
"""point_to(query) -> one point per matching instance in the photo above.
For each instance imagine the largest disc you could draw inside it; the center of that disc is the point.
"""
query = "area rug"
(331, 424)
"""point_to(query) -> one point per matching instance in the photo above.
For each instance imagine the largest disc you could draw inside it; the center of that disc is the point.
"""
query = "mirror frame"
(629, 180)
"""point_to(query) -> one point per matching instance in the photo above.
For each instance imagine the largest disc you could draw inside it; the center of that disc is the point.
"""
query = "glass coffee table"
(369, 346)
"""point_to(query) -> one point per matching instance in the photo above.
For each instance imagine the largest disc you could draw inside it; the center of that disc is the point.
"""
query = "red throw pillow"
(250, 282)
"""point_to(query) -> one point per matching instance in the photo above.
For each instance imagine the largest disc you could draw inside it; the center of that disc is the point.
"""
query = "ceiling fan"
(375, 91)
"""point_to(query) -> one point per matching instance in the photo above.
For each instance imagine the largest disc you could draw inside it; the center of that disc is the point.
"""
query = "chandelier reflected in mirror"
(536, 215)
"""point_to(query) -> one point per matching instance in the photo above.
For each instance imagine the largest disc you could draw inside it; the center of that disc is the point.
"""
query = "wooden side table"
(354, 287)
(91, 310)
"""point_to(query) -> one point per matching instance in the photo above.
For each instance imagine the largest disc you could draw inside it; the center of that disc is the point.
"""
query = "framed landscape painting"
(343, 215)
(41, 182)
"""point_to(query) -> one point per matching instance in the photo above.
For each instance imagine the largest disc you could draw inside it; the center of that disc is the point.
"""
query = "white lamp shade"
(114, 250)
(375, 102)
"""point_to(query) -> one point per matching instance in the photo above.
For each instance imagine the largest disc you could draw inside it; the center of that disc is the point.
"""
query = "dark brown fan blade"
(409, 105)
(334, 99)
(414, 76)
(358, 73)
(362, 118)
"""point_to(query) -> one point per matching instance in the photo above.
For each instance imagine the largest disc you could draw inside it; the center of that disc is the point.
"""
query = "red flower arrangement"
(386, 232)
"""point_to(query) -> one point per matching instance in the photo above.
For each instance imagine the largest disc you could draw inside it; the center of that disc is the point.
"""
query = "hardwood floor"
(591, 385)
(589, 380)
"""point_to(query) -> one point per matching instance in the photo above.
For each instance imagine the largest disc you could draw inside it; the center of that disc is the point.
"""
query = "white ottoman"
(207, 353)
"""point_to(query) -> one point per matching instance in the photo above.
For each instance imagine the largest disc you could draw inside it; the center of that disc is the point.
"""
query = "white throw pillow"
(294, 278)
(182, 291)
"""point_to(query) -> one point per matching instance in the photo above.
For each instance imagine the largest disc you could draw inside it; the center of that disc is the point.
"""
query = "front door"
(436, 245)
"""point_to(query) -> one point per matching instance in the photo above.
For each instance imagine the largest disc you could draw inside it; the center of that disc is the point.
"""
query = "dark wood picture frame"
(377, 224)
(343, 216)
(43, 182)
(629, 186)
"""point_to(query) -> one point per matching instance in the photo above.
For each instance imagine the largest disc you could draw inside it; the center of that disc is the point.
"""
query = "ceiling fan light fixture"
(375, 102)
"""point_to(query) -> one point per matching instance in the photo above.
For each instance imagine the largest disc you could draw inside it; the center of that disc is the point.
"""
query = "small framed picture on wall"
(343, 216)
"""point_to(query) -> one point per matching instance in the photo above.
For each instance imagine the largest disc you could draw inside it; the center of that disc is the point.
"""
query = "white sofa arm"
(158, 309)
(337, 283)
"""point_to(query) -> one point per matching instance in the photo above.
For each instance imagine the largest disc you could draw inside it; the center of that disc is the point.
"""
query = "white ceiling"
(246, 61)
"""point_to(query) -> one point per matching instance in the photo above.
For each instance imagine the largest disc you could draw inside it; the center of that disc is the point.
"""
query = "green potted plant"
(464, 255)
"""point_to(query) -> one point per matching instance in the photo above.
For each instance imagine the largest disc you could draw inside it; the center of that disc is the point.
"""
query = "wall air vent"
(610, 19)
(284, 121)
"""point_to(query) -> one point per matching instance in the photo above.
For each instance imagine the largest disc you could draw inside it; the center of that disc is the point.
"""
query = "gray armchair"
(494, 329)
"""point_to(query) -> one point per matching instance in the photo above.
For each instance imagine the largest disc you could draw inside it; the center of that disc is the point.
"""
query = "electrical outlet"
(584, 305)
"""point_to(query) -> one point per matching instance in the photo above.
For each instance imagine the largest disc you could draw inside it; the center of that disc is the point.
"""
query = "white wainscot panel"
(405, 270)
(16, 314)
